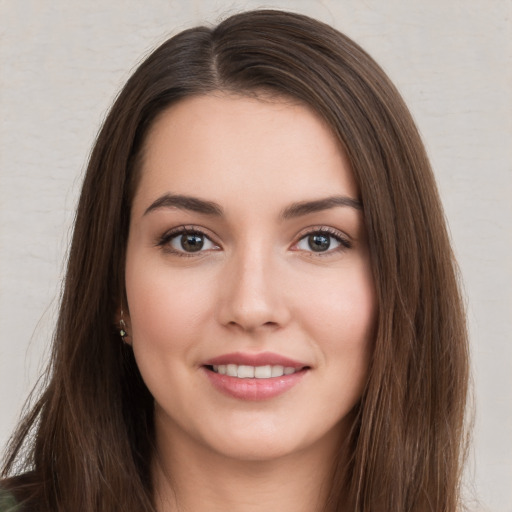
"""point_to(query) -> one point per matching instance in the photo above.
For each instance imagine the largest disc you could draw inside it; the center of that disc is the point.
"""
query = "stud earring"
(122, 325)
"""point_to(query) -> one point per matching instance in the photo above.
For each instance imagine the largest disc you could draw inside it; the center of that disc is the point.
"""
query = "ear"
(123, 325)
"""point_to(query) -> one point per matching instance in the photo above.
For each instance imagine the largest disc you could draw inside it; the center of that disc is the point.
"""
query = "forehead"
(229, 146)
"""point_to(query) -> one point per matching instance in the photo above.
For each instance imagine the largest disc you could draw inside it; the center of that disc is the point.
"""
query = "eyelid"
(163, 240)
(344, 240)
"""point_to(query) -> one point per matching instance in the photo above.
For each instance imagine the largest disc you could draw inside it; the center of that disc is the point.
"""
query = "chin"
(269, 442)
(256, 449)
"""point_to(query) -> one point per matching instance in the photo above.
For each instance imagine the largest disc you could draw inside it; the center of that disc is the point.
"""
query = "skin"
(256, 285)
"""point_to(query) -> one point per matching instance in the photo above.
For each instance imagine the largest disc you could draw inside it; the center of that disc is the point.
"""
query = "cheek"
(340, 317)
(165, 307)
(167, 321)
(344, 306)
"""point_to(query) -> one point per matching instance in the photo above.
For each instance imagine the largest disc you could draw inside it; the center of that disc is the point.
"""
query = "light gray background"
(62, 62)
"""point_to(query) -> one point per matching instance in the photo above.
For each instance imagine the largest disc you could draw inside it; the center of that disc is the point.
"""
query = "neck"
(188, 478)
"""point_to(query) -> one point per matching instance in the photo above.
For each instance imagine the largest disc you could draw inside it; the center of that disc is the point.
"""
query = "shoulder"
(7, 502)
(16, 492)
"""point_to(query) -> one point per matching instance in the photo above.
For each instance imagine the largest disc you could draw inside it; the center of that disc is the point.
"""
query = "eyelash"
(344, 242)
(165, 239)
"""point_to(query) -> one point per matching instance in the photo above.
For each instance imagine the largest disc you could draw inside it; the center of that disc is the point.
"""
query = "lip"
(256, 359)
(254, 389)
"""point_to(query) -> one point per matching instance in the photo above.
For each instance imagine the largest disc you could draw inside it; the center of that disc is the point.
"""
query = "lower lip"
(254, 389)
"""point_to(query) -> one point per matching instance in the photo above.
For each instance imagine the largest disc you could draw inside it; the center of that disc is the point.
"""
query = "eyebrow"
(294, 210)
(318, 205)
(181, 202)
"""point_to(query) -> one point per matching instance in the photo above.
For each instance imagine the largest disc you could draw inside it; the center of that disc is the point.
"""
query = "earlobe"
(123, 332)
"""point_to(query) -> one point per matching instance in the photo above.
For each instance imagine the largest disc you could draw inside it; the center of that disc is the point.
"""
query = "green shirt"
(7, 502)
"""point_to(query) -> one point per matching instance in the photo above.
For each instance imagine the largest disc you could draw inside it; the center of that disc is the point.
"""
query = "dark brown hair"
(87, 443)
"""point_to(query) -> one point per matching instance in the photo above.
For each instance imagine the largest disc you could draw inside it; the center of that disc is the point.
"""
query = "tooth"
(249, 372)
(245, 372)
(263, 372)
(231, 370)
(277, 371)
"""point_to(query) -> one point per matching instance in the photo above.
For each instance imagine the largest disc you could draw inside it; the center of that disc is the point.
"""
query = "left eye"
(319, 242)
(190, 242)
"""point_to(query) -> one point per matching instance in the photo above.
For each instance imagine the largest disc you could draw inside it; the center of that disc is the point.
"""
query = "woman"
(261, 304)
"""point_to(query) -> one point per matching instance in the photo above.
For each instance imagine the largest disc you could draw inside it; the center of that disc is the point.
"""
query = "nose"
(252, 294)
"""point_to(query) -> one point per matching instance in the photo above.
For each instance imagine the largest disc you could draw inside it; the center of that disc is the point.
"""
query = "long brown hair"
(88, 441)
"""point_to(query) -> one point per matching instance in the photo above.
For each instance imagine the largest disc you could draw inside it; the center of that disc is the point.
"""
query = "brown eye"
(191, 242)
(186, 242)
(319, 242)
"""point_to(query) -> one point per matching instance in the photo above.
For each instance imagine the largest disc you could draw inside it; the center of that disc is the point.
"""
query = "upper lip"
(255, 359)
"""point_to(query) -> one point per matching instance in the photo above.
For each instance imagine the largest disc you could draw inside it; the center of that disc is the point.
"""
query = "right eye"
(186, 242)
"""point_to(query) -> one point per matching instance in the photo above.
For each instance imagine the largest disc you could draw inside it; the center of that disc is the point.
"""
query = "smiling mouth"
(254, 382)
(253, 372)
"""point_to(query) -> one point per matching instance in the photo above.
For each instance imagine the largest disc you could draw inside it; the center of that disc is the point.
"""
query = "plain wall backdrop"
(62, 63)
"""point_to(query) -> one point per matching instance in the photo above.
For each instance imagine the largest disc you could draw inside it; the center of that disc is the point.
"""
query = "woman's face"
(250, 296)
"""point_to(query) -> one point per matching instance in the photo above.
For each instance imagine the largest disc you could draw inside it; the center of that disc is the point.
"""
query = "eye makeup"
(193, 241)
